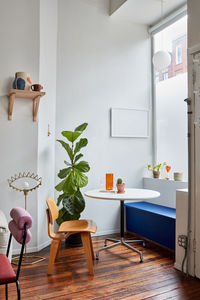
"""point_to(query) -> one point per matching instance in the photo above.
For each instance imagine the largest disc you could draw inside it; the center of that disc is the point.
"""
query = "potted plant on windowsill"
(73, 178)
(155, 169)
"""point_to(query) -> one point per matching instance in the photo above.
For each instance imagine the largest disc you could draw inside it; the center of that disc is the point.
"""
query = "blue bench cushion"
(155, 222)
(154, 208)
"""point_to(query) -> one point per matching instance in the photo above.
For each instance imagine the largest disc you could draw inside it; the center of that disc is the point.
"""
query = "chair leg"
(58, 249)
(6, 291)
(91, 246)
(18, 290)
(53, 252)
(85, 236)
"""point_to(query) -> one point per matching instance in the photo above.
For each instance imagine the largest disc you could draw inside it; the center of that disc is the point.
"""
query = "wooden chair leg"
(91, 246)
(58, 249)
(53, 252)
(85, 236)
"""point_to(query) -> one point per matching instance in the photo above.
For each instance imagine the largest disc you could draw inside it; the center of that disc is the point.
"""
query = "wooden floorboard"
(118, 275)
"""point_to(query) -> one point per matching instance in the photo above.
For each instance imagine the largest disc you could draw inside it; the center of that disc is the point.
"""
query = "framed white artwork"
(128, 122)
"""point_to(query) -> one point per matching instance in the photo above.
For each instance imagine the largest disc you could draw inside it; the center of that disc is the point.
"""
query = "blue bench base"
(154, 222)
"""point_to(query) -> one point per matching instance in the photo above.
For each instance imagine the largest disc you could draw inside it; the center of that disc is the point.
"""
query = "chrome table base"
(121, 241)
(124, 242)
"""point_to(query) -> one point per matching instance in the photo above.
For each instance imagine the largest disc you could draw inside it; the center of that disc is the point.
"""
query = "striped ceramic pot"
(22, 81)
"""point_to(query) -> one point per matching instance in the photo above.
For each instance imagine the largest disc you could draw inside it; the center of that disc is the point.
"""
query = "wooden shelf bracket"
(35, 96)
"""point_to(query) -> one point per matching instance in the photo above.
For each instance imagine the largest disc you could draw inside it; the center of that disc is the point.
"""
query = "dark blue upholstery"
(152, 221)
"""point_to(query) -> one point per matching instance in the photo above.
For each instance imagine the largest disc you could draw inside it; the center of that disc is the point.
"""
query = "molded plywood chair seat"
(85, 227)
(19, 229)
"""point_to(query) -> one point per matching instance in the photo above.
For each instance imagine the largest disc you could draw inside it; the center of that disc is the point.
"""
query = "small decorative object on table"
(168, 168)
(120, 186)
(178, 176)
(22, 81)
(155, 169)
(109, 181)
(36, 87)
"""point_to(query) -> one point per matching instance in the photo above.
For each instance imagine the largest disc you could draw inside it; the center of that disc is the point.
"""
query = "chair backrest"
(53, 210)
(19, 229)
(20, 217)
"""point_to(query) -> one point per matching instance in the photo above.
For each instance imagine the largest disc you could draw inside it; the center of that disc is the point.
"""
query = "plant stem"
(72, 155)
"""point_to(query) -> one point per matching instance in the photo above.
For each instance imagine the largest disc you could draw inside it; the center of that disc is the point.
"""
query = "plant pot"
(74, 240)
(178, 176)
(156, 174)
(120, 188)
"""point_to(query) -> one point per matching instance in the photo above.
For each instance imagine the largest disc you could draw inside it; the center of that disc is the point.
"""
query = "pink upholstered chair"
(19, 229)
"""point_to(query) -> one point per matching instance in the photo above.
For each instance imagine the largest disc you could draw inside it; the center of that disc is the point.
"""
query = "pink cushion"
(21, 216)
(18, 233)
(7, 273)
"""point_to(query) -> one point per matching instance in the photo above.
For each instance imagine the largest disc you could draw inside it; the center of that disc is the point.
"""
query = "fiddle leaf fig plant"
(73, 177)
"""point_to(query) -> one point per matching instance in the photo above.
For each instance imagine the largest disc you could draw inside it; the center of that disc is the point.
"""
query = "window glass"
(165, 75)
(178, 54)
(170, 92)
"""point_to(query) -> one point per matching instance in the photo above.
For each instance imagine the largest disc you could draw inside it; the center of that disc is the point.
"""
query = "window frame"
(169, 20)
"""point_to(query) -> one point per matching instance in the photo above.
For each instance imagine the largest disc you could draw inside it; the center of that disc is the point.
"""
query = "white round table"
(129, 195)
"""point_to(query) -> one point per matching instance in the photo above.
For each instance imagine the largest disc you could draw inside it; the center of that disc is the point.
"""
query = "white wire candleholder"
(32, 183)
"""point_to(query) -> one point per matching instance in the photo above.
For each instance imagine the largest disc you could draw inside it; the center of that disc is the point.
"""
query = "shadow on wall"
(3, 97)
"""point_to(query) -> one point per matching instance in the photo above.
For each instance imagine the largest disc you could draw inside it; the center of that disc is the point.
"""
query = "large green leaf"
(67, 163)
(67, 148)
(60, 219)
(82, 166)
(71, 136)
(70, 185)
(80, 178)
(60, 197)
(81, 127)
(74, 204)
(65, 216)
(77, 157)
(64, 172)
(82, 143)
(59, 187)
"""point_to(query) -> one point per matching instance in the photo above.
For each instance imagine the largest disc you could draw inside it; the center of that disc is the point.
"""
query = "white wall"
(28, 32)
(181, 225)
(19, 35)
(46, 144)
(194, 83)
(193, 22)
(102, 63)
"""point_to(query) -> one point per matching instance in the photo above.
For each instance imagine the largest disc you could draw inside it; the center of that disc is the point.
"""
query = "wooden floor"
(118, 275)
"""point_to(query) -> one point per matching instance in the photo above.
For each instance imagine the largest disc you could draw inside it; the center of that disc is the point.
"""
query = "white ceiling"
(146, 11)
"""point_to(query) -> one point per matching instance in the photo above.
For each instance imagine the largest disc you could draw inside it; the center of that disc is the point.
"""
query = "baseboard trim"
(47, 243)
(105, 232)
(33, 249)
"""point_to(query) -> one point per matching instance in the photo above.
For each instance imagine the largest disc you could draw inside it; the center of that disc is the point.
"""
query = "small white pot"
(178, 176)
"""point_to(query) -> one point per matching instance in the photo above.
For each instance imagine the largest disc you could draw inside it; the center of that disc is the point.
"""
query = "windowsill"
(171, 181)
(182, 190)
(167, 189)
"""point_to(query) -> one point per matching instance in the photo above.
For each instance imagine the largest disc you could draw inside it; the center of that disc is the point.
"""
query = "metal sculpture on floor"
(32, 182)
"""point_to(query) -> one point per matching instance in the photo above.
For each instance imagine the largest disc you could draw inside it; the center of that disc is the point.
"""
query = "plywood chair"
(85, 227)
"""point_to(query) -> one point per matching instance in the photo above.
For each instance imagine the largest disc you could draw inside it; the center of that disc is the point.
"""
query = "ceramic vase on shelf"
(22, 81)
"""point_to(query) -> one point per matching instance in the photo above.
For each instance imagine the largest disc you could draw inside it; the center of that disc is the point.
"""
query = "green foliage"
(73, 177)
(119, 181)
(154, 167)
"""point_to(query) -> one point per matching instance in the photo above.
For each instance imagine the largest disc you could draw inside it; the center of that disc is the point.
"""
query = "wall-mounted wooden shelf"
(35, 96)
